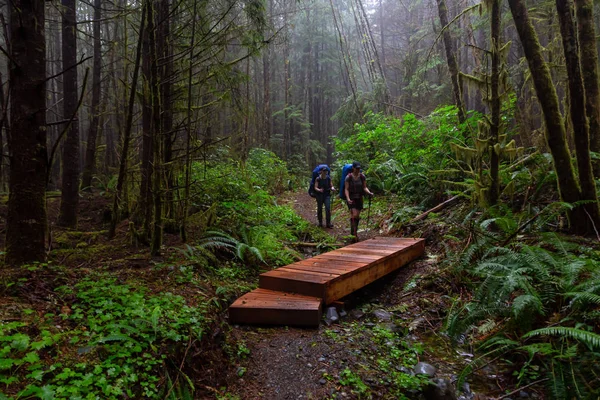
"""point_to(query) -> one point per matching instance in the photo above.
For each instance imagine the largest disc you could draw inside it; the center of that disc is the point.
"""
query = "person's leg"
(328, 211)
(320, 209)
(354, 216)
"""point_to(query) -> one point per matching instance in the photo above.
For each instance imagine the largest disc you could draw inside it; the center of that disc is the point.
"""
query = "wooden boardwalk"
(295, 294)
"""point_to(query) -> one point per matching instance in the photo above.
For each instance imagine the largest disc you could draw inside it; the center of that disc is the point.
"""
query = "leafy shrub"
(114, 344)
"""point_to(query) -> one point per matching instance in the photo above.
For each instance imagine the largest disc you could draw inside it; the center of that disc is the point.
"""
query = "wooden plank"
(331, 267)
(349, 283)
(296, 275)
(265, 307)
(308, 271)
(278, 283)
(347, 256)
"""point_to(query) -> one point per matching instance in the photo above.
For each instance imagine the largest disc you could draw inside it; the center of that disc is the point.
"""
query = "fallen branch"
(437, 208)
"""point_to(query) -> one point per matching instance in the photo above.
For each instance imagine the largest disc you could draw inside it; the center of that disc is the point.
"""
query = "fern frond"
(588, 338)
(525, 305)
(583, 298)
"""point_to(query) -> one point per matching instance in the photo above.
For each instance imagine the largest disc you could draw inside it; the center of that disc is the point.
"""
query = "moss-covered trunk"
(494, 190)
(578, 118)
(546, 93)
(451, 58)
(589, 62)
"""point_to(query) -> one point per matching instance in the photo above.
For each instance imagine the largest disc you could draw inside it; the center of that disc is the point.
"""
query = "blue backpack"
(315, 173)
(345, 171)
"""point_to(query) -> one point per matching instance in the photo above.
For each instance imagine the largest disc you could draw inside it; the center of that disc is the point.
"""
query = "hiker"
(323, 188)
(355, 187)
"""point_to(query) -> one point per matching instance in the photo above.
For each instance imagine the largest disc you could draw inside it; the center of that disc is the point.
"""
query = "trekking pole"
(369, 212)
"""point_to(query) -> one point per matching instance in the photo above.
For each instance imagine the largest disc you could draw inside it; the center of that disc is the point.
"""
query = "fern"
(590, 339)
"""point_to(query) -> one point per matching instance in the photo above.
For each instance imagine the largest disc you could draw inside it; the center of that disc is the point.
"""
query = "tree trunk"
(164, 41)
(26, 222)
(451, 59)
(90, 152)
(128, 125)
(156, 193)
(546, 93)
(578, 117)
(494, 190)
(144, 209)
(69, 204)
(589, 63)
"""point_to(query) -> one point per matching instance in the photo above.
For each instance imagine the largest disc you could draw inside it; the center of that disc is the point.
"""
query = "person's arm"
(318, 187)
(365, 188)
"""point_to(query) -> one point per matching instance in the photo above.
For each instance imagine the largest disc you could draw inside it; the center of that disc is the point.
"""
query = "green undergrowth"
(113, 340)
(530, 298)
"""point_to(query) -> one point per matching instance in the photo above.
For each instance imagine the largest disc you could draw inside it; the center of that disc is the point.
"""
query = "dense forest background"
(168, 136)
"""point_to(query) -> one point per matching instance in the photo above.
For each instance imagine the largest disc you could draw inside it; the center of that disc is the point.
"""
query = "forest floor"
(292, 363)
(348, 359)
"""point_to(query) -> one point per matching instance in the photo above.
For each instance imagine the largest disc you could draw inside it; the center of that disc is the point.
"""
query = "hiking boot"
(320, 225)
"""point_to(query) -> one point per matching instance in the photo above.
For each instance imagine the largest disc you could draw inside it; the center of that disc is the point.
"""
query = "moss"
(81, 254)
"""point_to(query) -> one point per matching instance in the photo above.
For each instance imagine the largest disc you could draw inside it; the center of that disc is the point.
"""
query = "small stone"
(309, 365)
(425, 369)
(382, 315)
(322, 381)
(322, 359)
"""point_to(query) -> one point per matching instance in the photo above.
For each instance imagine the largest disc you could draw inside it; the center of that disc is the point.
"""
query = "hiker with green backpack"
(355, 187)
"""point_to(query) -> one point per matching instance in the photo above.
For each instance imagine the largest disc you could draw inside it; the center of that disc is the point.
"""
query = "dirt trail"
(292, 363)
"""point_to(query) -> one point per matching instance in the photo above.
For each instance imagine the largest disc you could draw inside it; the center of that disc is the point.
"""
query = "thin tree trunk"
(166, 60)
(546, 93)
(451, 59)
(69, 204)
(128, 126)
(188, 155)
(157, 233)
(90, 153)
(578, 117)
(26, 222)
(589, 63)
(144, 210)
(494, 190)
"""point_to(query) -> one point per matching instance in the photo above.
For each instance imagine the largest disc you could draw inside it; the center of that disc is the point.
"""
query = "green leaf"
(589, 338)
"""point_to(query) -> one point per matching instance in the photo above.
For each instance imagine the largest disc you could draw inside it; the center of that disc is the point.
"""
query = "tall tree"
(121, 179)
(26, 222)
(495, 21)
(546, 93)
(589, 63)
(90, 153)
(70, 177)
(451, 59)
(577, 109)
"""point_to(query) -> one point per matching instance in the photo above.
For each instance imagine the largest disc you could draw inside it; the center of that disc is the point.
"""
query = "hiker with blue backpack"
(355, 187)
(323, 189)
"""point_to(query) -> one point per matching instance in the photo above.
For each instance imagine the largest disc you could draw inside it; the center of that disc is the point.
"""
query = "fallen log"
(437, 208)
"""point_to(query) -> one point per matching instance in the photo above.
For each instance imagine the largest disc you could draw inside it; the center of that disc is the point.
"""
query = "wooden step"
(352, 267)
(263, 306)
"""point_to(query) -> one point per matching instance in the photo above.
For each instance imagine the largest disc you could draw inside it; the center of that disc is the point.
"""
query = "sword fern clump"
(536, 305)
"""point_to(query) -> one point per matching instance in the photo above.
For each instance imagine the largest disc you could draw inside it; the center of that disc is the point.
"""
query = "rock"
(331, 316)
(382, 315)
(322, 359)
(323, 381)
(425, 369)
(440, 389)
(523, 394)
(357, 314)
